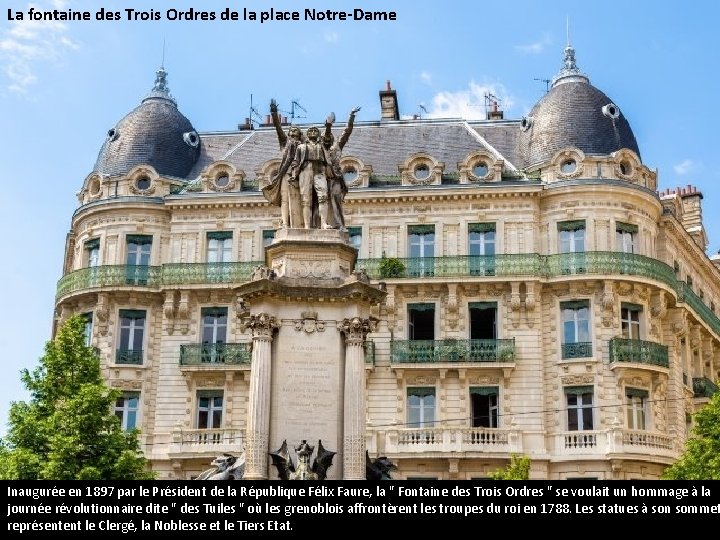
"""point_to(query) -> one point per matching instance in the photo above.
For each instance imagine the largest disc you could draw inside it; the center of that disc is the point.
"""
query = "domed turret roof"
(155, 133)
(573, 114)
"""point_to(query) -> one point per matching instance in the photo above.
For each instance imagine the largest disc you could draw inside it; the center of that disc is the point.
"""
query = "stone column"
(258, 418)
(355, 331)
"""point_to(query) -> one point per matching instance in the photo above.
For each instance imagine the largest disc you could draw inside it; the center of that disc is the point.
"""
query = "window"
(210, 409)
(637, 402)
(483, 320)
(421, 241)
(484, 402)
(421, 321)
(355, 234)
(481, 249)
(214, 333)
(571, 243)
(219, 246)
(630, 320)
(132, 330)
(576, 329)
(138, 258)
(88, 328)
(579, 407)
(92, 252)
(126, 409)
(421, 406)
(483, 331)
(268, 236)
(625, 234)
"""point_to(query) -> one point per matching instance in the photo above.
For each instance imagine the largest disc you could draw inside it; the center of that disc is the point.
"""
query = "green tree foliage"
(518, 469)
(68, 431)
(390, 267)
(701, 458)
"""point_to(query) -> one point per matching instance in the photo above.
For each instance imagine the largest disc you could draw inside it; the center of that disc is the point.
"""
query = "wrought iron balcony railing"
(109, 276)
(704, 387)
(129, 356)
(580, 349)
(197, 354)
(501, 265)
(187, 273)
(452, 350)
(154, 276)
(370, 352)
(638, 351)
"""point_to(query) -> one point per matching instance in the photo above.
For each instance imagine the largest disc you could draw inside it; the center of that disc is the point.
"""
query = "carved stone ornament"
(355, 329)
(262, 272)
(577, 379)
(309, 323)
(261, 324)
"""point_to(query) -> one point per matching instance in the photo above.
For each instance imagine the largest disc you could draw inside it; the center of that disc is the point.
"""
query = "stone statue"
(309, 169)
(282, 191)
(225, 467)
(287, 470)
(337, 189)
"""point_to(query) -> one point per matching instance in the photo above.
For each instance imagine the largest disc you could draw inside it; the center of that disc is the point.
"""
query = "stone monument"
(309, 315)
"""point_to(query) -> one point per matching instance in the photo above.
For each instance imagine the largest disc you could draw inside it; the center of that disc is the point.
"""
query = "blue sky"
(63, 85)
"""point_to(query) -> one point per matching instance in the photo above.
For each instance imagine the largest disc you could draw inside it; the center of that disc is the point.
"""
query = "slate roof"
(154, 133)
(383, 145)
(570, 115)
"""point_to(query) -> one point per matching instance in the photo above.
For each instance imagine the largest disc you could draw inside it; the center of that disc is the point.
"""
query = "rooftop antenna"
(254, 114)
(293, 115)
(547, 83)
(422, 108)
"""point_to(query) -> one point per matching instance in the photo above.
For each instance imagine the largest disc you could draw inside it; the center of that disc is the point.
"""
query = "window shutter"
(576, 225)
(484, 390)
(481, 227)
(578, 390)
(219, 235)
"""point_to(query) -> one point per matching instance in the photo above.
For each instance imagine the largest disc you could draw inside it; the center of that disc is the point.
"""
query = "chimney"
(389, 104)
(492, 109)
(692, 214)
(246, 126)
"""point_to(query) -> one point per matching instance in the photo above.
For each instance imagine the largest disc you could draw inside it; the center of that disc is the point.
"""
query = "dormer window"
(568, 166)
(142, 183)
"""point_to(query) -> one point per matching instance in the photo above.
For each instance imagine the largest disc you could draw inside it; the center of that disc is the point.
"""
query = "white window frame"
(124, 410)
(637, 412)
(210, 409)
(422, 413)
(631, 328)
(578, 410)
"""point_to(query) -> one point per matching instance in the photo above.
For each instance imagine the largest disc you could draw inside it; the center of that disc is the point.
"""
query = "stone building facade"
(541, 295)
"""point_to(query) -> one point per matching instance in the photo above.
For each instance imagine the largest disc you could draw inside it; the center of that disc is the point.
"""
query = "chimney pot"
(388, 85)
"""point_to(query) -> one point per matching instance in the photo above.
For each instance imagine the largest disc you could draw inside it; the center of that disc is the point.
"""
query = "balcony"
(207, 273)
(205, 442)
(131, 357)
(637, 351)
(416, 441)
(704, 387)
(155, 277)
(453, 350)
(109, 276)
(580, 349)
(605, 443)
(215, 354)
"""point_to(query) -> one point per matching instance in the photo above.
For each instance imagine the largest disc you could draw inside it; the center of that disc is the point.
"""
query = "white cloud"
(426, 77)
(535, 48)
(468, 104)
(25, 44)
(332, 37)
(685, 167)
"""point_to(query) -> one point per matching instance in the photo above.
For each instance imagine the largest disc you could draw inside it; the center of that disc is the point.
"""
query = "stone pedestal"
(308, 379)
